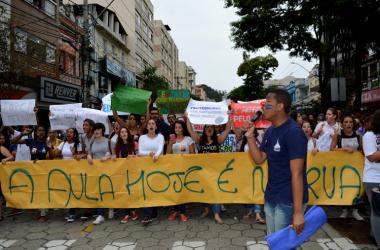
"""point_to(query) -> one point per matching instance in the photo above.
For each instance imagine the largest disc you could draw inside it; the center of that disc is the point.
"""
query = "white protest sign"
(63, 116)
(93, 114)
(18, 112)
(106, 105)
(212, 113)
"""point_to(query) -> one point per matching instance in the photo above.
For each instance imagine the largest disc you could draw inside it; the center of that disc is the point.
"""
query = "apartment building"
(192, 78)
(165, 53)
(183, 76)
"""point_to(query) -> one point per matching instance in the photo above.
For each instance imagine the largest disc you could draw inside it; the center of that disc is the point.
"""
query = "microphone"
(257, 116)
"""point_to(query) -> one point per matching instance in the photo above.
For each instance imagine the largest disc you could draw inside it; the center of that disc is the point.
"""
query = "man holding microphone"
(284, 146)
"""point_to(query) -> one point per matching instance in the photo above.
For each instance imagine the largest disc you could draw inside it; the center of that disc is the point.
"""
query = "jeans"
(216, 208)
(375, 219)
(100, 211)
(150, 212)
(180, 208)
(279, 215)
(254, 208)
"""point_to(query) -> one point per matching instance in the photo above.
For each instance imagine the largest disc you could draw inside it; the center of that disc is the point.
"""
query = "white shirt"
(311, 144)
(155, 145)
(371, 144)
(67, 150)
(183, 146)
(325, 137)
(23, 151)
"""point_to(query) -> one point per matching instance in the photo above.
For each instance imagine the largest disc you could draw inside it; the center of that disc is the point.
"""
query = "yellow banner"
(334, 179)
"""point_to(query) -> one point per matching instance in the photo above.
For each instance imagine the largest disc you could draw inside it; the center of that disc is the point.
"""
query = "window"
(50, 53)
(70, 65)
(138, 20)
(105, 46)
(20, 41)
(36, 47)
(50, 7)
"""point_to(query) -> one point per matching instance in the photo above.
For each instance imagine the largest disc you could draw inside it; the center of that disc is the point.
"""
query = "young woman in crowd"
(311, 141)
(52, 141)
(100, 148)
(347, 140)
(209, 142)
(70, 148)
(181, 143)
(5, 156)
(371, 174)
(297, 117)
(88, 136)
(39, 150)
(253, 209)
(115, 133)
(151, 144)
(124, 148)
(325, 130)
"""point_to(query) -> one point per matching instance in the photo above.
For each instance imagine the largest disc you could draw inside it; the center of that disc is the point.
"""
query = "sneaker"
(99, 220)
(110, 213)
(172, 215)
(42, 218)
(183, 217)
(146, 220)
(70, 218)
(344, 214)
(134, 215)
(125, 219)
(356, 215)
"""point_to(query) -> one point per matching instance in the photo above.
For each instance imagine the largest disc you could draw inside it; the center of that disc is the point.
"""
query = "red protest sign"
(243, 111)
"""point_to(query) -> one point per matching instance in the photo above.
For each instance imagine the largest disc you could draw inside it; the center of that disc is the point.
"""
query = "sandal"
(260, 221)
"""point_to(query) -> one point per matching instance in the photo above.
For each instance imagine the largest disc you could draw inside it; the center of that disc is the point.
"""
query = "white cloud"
(201, 29)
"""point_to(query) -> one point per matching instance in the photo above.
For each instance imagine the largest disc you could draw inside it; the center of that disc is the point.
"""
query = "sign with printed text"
(18, 112)
(212, 113)
(242, 112)
(172, 101)
(64, 116)
(334, 178)
(59, 92)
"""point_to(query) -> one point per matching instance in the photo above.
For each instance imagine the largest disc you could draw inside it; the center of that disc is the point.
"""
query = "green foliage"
(213, 94)
(153, 82)
(254, 71)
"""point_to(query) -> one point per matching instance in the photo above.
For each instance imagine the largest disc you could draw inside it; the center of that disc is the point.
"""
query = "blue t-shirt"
(41, 147)
(282, 144)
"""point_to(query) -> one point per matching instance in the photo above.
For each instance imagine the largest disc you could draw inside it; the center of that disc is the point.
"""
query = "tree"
(153, 82)
(308, 29)
(213, 94)
(255, 71)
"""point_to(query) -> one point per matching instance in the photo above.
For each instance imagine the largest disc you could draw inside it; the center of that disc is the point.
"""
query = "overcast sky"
(201, 29)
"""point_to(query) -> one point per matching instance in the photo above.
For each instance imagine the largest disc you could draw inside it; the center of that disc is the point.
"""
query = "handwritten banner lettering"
(334, 179)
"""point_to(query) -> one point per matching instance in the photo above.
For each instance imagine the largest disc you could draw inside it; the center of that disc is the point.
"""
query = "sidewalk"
(24, 232)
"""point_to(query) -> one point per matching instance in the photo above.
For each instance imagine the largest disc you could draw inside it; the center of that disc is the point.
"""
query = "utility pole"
(86, 56)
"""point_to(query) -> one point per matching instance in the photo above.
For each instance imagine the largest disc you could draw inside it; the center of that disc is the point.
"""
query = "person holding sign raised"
(209, 142)
(151, 144)
(284, 146)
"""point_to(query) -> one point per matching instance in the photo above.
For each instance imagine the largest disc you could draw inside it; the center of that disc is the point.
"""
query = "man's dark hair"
(282, 96)
(90, 122)
(154, 108)
(376, 122)
(99, 125)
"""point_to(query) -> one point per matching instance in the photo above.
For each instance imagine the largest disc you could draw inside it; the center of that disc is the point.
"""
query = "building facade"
(183, 77)
(200, 93)
(165, 53)
(144, 30)
(371, 81)
(192, 78)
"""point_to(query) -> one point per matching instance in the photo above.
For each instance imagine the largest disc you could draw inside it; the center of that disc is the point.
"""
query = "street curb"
(330, 231)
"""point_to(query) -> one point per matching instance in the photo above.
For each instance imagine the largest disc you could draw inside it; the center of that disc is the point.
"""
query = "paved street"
(24, 232)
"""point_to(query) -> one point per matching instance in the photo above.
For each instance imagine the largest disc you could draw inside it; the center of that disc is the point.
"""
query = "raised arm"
(257, 155)
(194, 135)
(223, 136)
(18, 140)
(121, 122)
(7, 154)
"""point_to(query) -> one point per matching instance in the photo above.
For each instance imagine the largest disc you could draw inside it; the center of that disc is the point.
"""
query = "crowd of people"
(152, 136)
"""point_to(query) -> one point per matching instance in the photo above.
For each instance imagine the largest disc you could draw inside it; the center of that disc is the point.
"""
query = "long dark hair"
(35, 132)
(184, 128)
(245, 140)
(120, 143)
(76, 138)
(214, 136)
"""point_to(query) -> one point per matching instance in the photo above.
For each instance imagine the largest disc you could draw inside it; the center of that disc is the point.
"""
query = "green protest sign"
(173, 101)
(130, 100)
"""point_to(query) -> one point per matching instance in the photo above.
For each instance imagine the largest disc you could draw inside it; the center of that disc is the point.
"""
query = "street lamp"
(300, 66)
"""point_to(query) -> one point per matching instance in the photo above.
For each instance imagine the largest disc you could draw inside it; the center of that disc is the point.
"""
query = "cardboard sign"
(173, 101)
(18, 112)
(242, 112)
(64, 116)
(211, 113)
